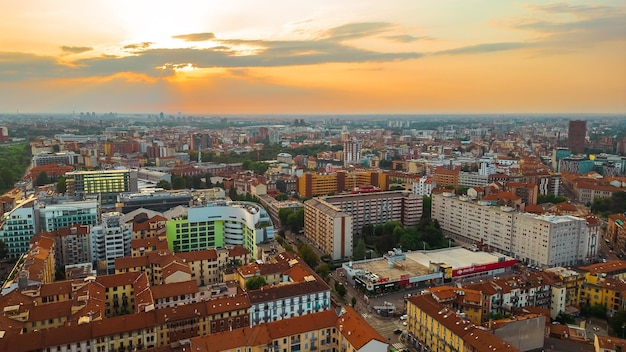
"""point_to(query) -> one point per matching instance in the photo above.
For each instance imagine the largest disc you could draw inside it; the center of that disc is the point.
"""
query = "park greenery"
(550, 198)
(292, 219)
(14, 160)
(253, 160)
(616, 203)
(384, 237)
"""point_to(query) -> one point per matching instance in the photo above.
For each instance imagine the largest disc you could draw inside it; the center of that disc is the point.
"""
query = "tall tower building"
(351, 152)
(576, 136)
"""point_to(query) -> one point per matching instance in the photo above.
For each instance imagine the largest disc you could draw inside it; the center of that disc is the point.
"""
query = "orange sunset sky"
(285, 56)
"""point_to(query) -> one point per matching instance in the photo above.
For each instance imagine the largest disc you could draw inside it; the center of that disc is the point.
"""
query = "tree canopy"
(255, 283)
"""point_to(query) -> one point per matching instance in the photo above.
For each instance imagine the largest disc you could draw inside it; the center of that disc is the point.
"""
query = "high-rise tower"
(576, 136)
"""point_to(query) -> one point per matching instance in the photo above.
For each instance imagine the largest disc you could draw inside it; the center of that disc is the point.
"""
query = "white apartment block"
(287, 301)
(424, 186)
(109, 240)
(474, 221)
(473, 179)
(535, 239)
(549, 240)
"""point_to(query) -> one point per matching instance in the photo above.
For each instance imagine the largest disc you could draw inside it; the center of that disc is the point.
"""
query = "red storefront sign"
(483, 267)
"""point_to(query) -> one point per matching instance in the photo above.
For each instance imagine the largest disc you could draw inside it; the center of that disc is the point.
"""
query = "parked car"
(397, 331)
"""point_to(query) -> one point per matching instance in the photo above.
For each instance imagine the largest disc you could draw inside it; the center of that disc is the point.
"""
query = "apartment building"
(318, 184)
(61, 158)
(63, 213)
(470, 221)
(72, 245)
(105, 183)
(109, 240)
(549, 240)
(221, 224)
(543, 240)
(433, 327)
(329, 228)
(17, 226)
(424, 186)
(379, 207)
(325, 331)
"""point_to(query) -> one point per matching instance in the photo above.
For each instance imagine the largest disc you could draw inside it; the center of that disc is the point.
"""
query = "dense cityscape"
(322, 176)
(173, 232)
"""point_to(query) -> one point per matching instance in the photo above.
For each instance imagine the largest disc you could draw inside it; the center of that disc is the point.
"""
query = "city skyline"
(252, 57)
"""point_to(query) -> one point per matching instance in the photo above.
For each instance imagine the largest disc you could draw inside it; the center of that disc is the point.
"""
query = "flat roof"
(456, 257)
(418, 263)
(381, 268)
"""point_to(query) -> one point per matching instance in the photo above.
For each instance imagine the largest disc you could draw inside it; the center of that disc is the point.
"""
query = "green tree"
(164, 184)
(4, 250)
(341, 290)
(426, 207)
(308, 255)
(255, 283)
(359, 250)
(42, 179)
(232, 193)
(61, 185)
(323, 270)
(281, 197)
(353, 301)
(178, 182)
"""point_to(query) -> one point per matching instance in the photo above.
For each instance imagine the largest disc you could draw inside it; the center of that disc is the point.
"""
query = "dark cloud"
(485, 48)
(195, 37)
(138, 47)
(76, 49)
(23, 66)
(403, 38)
(582, 25)
(329, 48)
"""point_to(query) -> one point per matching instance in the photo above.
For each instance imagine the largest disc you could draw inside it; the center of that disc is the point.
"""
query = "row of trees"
(268, 152)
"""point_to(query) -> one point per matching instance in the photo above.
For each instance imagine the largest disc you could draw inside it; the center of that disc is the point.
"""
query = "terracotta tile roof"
(175, 267)
(230, 340)
(355, 329)
(131, 262)
(123, 323)
(174, 289)
(479, 339)
(56, 288)
(610, 342)
(117, 280)
(193, 256)
(159, 243)
(271, 293)
(534, 208)
(237, 251)
(263, 334)
(55, 310)
(226, 304)
(605, 268)
(186, 311)
(484, 341)
(443, 293)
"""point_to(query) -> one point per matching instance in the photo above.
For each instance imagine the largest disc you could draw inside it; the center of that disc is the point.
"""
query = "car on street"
(397, 331)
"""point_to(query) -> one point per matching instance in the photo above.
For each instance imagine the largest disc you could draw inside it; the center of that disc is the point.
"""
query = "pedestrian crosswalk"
(398, 346)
